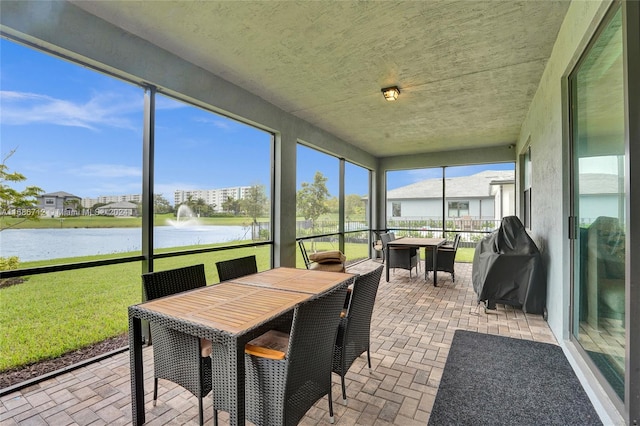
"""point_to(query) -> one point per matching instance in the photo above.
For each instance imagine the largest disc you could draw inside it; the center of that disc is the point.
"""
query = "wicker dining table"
(230, 313)
(427, 243)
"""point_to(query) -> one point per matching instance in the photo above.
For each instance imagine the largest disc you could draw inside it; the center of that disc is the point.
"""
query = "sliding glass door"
(598, 200)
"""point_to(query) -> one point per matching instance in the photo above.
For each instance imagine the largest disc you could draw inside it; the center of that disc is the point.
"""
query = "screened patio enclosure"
(483, 83)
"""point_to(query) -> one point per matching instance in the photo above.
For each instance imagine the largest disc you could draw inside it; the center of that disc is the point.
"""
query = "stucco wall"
(545, 128)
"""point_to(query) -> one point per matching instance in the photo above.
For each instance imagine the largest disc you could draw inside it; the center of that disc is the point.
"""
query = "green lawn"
(51, 314)
(465, 255)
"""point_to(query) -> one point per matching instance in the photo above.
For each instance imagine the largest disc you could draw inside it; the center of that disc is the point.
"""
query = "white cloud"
(164, 103)
(418, 175)
(110, 188)
(110, 171)
(104, 109)
(217, 122)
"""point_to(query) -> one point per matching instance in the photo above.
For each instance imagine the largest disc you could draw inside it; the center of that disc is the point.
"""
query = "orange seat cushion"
(272, 344)
(205, 348)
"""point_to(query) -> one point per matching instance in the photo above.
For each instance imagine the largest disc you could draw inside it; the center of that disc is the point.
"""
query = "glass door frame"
(630, 407)
(631, 52)
(576, 262)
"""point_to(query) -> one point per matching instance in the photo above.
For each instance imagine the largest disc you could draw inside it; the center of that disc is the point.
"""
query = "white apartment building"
(108, 199)
(212, 197)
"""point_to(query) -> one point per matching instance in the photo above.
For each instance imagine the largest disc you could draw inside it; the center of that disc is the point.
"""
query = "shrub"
(6, 264)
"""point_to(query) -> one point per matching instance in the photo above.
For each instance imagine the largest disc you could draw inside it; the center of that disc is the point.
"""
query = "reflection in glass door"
(598, 194)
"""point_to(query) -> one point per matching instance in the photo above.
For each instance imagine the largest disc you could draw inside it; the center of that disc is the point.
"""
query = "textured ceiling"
(467, 69)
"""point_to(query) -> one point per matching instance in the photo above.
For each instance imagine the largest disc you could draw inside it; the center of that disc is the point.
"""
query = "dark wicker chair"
(446, 257)
(179, 357)
(235, 268)
(355, 326)
(399, 257)
(281, 391)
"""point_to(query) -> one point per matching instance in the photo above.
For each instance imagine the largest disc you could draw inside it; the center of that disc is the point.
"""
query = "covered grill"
(508, 269)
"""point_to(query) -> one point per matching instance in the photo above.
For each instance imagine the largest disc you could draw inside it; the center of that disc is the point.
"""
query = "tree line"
(312, 201)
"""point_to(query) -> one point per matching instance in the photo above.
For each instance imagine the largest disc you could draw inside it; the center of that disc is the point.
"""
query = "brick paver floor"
(412, 328)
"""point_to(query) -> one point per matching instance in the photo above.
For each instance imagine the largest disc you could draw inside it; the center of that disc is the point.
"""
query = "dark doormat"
(495, 380)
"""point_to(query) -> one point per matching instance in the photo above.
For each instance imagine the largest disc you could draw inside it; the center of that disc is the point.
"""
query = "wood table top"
(297, 280)
(229, 307)
(417, 242)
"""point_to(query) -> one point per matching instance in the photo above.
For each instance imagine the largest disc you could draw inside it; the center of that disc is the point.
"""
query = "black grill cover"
(508, 269)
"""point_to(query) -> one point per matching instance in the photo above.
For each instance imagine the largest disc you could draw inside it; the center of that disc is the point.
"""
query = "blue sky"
(79, 131)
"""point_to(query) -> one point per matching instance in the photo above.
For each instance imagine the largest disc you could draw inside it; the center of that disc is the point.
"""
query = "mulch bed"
(8, 282)
(20, 374)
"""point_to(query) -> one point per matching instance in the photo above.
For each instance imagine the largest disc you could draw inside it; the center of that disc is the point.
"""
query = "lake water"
(42, 244)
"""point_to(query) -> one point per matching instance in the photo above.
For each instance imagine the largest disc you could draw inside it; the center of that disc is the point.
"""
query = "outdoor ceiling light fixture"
(391, 93)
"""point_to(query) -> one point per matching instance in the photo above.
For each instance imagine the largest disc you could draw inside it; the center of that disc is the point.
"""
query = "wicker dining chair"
(400, 257)
(179, 357)
(235, 268)
(446, 258)
(286, 375)
(354, 330)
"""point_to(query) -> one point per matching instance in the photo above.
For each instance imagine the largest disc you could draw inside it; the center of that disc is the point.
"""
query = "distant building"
(59, 203)
(212, 197)
(119, 209)
(88, 203)
(487, 195)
